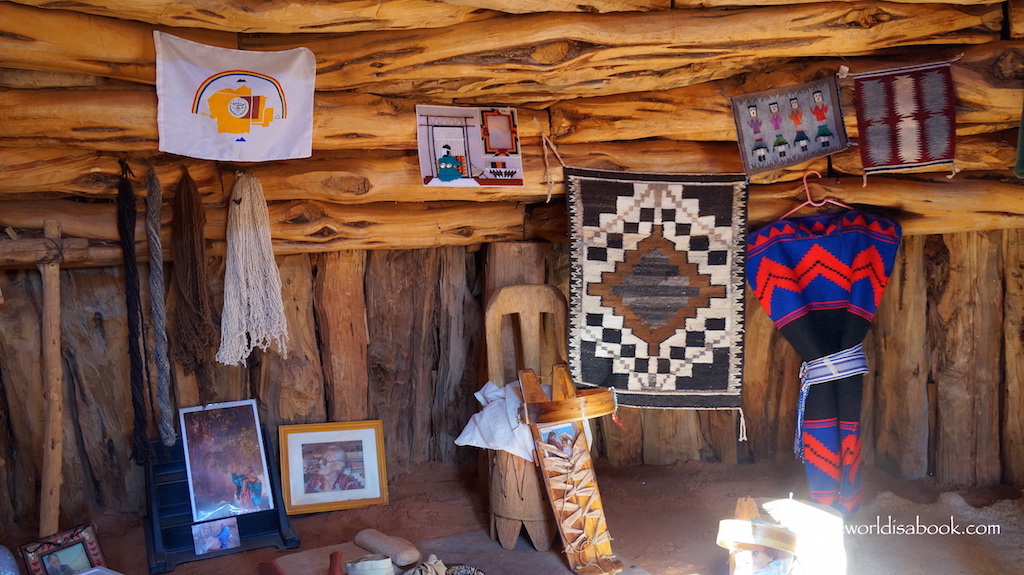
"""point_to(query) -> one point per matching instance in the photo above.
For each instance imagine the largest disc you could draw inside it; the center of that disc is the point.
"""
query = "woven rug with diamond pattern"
(657, 286)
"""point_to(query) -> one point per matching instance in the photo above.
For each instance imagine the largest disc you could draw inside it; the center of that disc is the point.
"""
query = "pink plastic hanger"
(810, 201)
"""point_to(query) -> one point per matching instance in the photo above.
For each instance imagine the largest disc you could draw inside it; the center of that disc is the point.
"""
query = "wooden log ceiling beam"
(56, 40)
(543, 57)
(374, 176)
(558, 56)
(297, 227)
(989, 82)
(125, 120)
(923, 204)
(274, 16)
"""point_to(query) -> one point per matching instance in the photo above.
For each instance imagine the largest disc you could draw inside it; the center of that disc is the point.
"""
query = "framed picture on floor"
(66, 553)
(225, 460)
(330, 466)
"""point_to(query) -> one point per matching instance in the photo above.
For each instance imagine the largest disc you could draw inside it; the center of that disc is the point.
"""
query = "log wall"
(385, 279)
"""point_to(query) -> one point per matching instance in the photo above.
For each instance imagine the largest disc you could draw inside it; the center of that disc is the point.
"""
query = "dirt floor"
(664, 519)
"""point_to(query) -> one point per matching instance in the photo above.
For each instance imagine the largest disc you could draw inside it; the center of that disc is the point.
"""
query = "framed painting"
(330, 466)
(66, 553)
(225, 460)
(463, 146)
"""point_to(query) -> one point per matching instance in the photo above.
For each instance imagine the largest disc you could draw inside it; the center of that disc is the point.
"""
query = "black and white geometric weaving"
(657, 286)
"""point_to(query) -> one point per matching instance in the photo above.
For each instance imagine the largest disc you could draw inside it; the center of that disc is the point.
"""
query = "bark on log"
(1013, 346)
(987, 77)
(965, 279)
(268, 16)
(20, 357)
(459, 359)
(96, 331)
(899, 370)
(292, 383)
(401, 291)
(547, 56)
(340, 303)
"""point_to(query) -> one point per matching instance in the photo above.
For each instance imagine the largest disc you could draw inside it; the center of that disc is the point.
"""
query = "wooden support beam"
(987, 78)
(270, 16)
(556, 56)
(124, 120)
(965, 280)
(53, 393)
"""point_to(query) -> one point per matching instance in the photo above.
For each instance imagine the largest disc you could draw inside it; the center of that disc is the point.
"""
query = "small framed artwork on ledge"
(66, 553)
(330, 466)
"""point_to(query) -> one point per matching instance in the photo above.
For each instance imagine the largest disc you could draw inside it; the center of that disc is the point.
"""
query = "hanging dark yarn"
(154, 198)
(126, 215)
(195, 336)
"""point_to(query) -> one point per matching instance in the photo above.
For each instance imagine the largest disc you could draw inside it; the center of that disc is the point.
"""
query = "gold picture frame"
(332, 466)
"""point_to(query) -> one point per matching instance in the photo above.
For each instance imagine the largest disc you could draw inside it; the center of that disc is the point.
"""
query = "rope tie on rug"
(195, 334)
(253, 313)
(547, 143)
(154, 197)
(126, 215)
(838, 365)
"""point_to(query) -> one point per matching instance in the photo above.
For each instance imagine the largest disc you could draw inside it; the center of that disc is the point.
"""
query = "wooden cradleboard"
(566, 466)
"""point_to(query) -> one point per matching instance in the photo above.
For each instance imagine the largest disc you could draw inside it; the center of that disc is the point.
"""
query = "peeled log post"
(899, 369)
(339, 300)
(53, 446)
(965, 284)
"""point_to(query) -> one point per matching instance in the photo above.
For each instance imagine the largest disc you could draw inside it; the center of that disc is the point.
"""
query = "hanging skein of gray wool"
(126, 214)
(253, 314)
(154, 197)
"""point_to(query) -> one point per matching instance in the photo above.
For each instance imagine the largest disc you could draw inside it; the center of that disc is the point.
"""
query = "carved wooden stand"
(567, 468)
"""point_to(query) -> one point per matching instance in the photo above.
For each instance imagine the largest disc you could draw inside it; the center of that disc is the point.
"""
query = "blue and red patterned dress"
(821, 278)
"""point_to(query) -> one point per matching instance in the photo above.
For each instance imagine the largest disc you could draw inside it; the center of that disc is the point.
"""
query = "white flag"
(234, 105)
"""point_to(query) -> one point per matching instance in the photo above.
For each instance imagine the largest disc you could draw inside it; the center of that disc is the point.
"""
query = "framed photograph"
(330, 466)
(225, 461)
(215, 535)
(66, 553)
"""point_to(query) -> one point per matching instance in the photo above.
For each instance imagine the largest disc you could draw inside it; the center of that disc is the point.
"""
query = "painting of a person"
(248, 488)
(54, 566)
(448, 166)
(333, 472)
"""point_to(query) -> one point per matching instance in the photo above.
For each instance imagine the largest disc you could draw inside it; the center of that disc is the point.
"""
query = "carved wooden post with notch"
(567, 468)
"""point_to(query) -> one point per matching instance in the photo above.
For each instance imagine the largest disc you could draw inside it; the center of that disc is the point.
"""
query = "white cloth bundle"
(253, 313)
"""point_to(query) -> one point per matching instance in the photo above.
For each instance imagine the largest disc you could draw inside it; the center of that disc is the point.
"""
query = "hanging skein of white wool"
(253, 314)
